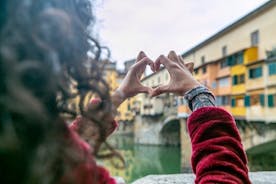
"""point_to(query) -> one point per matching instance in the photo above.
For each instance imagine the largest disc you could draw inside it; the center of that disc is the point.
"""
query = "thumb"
(145, 89)
(159, 90)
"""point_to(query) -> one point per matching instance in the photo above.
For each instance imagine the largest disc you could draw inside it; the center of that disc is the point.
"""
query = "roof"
(232, 26)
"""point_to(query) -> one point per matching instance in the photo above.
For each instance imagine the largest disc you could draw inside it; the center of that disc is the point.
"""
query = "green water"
(143, 160)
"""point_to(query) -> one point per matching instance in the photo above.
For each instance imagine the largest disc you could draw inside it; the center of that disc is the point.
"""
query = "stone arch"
(262, 156)
(170, 132)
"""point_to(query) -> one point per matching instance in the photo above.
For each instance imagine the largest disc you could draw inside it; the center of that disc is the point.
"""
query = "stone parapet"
(268, 177)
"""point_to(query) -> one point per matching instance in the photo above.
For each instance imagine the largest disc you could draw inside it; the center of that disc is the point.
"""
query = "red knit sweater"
(217, 153)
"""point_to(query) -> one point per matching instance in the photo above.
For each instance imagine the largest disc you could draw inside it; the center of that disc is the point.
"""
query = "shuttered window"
(272, 68)
(262, 99)
(235, 80)
(255, 72)
(238, 79)
(233, 102)
(247, 101)
(270, 100)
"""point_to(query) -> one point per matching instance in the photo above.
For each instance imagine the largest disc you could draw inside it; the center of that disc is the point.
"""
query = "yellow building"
(234, 64)
(245, 79)
(111, 75)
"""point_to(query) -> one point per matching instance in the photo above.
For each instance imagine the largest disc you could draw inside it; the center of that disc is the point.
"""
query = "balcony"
(238, 112)
(251, 55)
(238, 89)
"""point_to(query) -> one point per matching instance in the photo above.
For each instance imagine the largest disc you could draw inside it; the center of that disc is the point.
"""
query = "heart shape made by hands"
(180, 74)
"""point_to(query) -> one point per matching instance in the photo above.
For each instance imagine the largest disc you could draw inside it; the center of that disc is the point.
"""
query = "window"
(271, 100)
(223, 100)
(235, 59)
(272, 68)
(196, 71)
(223, 82)
(247, 101)
(233, 102)
(147, 106)
(254, 38)
(204, 69)
(271, 54)
(224, 63)
(255, 100)
(239, 102)
(235, 80)
(238, 79)
(229, 60)
(202, 59)
(239, 58)
(255, 72)
(224, 51)
(262, 99)
(214, 84)
(241, 79)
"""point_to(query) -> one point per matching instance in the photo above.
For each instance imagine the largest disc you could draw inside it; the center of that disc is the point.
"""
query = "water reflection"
(143, 160)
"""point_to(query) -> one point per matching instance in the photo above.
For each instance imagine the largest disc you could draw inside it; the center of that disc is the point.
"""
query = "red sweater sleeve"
(217, 152)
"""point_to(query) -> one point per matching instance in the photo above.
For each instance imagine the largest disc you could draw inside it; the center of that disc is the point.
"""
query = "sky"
(158, 26)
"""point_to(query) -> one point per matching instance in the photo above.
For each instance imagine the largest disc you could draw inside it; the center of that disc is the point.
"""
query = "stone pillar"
(147, 131)
(186, 150)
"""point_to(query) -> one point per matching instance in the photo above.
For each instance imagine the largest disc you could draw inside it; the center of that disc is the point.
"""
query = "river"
(142, 160)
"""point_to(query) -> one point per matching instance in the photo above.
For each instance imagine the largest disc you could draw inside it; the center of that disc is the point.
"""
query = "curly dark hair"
(48, 59)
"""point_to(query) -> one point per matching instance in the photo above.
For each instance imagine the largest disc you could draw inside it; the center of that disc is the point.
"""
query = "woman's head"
(44, 67)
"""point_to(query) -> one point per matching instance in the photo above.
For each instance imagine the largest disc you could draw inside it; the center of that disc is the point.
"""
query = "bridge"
(170, 129)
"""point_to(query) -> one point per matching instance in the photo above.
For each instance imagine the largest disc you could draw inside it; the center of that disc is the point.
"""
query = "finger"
(144, 62)
(162, 60)
(159, 90)
(190, 66)
(172, 56)
(140, 56)
(181, 61)
(144, 89)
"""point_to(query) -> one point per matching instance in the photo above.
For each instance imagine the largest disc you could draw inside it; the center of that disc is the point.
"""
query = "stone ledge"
(267, 177)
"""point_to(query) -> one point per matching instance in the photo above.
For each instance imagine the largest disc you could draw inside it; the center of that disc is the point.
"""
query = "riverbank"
(268, 177)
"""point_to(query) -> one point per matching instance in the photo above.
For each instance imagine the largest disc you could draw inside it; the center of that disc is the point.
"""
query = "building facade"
(237, 64)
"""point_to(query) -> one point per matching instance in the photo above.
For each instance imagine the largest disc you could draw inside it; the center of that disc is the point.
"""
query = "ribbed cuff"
(199, 97)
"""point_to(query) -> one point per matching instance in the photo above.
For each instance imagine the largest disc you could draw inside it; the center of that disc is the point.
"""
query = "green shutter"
(270, 101)
(235, 80)
(262, 99)
(233, 102)
(247, 101)
(272, 68)
(228, 61)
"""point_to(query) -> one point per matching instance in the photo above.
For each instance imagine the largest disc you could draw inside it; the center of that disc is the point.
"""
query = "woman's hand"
(131, 84)
(180, 73)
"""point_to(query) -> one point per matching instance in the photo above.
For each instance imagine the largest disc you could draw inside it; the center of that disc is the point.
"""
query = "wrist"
(118, 98)
(198, 97)
(189, 87)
